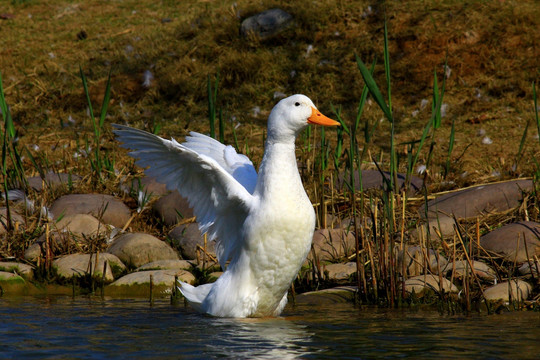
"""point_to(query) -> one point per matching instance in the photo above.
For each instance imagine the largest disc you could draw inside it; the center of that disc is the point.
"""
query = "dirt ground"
(161, 53)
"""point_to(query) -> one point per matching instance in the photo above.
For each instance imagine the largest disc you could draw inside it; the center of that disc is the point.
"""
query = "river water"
(94, 328)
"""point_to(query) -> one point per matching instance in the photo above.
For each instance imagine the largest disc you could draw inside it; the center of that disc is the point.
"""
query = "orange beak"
(318, 118)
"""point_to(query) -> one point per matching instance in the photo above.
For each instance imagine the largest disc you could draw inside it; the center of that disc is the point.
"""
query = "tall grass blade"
(450, 148)
(387, 66)
(535, 101)
(105, 103)
(437, 111)
(373, 88)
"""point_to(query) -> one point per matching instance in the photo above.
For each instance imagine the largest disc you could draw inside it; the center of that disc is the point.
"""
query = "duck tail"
(195, 295)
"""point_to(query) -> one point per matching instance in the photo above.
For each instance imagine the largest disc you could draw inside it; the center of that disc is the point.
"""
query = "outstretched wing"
(219, 201)
(238, 165)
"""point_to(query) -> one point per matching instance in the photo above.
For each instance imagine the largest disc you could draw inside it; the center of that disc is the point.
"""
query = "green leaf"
(373, 88)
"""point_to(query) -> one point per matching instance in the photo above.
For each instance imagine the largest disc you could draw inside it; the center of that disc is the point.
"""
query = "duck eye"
(297, 104)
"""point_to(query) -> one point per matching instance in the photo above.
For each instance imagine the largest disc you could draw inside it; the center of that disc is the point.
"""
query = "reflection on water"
(60, 327)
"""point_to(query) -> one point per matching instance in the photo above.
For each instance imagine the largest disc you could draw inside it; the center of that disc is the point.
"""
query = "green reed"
(99, 163)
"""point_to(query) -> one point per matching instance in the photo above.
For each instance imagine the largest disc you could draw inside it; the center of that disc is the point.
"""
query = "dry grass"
(493, 52)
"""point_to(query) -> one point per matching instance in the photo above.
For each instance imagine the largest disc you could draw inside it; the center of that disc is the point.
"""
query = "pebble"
(10, 278)
(415, 263)
(172, 208)
(421, 283)
(514, 241)
(137, 249)
(518, 289)
(159, 277)
(52, 181)
(147, 184)
(187, 238)
(340, 294)
(476, 201)
(166, 265)
(461, 267)
(373, 179)
(339, 271)
(530, 269)
(82, 225)
(104, 207)
(24, 270)
(76, 265)
(332, 244)
(17, 219)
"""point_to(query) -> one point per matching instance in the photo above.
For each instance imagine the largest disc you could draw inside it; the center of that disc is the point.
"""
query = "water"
(91, 328)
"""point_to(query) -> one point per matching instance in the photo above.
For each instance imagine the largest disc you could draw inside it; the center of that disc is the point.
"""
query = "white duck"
(263, 224)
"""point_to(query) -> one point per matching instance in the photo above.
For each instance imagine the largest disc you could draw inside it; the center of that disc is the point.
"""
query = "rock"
(187, 238)
(519, 290)
(340, 294)
(339, 271)
(530, 269)
(159, 277)
(414, 261)
(166, 265)
(12, 284)
(514, 241)
(461, 267)
(17, 219)
(76, 265)
(24, 270)
(373, 179)
(104, 207)
(10, 278)
(149, 185)
(474, 202)
(332, 244)
(33, 252)
(137, 249)
(172, 208)
(68, 233)
(52, 180)
(421, 283)
(214, 275)
(59, 243)
(266, 24)
(82, 224)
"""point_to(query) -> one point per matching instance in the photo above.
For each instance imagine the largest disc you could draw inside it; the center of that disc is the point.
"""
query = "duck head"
(293, 114)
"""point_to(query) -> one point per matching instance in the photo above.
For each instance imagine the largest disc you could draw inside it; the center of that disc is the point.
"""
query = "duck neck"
(278, 174)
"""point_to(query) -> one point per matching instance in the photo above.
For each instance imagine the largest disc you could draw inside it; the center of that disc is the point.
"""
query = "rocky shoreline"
(87, 241)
